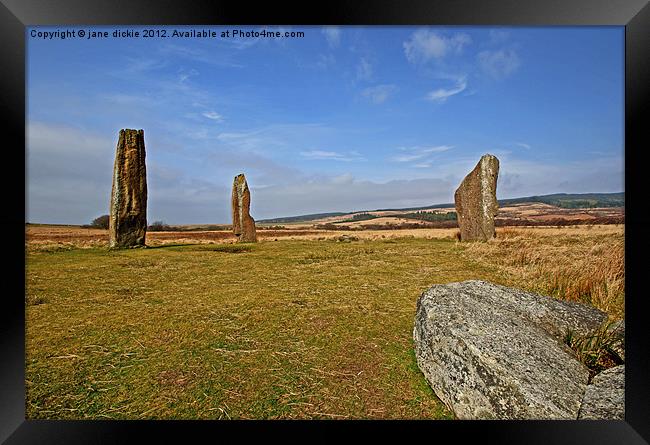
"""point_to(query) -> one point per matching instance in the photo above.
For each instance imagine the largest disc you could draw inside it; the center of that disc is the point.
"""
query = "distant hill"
(302, 218)
(573, 201)
(563, 200)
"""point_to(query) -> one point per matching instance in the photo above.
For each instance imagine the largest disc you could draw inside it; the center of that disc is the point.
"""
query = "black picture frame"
(15, 15)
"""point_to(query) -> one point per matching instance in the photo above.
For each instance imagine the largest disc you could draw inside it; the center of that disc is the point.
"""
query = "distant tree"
(101, 222)
(157, 226)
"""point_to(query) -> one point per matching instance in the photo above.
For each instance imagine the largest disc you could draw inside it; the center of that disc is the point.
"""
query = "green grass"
(287, 329)
(596, 351)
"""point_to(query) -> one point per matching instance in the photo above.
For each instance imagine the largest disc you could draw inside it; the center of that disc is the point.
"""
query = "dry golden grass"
(306, 329)
(53, 238)
(287, 329)
(578, 263)
(383, 220)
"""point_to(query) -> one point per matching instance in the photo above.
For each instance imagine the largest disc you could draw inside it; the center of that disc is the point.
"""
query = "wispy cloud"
(524, 178)
(331, 155)
(418, 152)
(345, 193)
(499, 64)
(186, 74)
(129, 99)
(213, 116)
(522, 145)
(70, 179)
(378, 94)
(440, 95)
(498, 36)
(345, 178)
(364, 69)
(325, 60)
(132, 66)
(425, 45)
(69, 172)
(332, 35)
(196, 54)
(165, 87)
(275, 137)
(241, 44)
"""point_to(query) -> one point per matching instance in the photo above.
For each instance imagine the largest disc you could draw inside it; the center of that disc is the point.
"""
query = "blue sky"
(345, 118)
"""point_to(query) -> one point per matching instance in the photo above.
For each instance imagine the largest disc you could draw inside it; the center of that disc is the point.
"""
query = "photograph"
(341, 222)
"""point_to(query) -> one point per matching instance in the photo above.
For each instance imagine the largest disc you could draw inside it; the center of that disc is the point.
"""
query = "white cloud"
(331, 155)
(522, 145)
(184, 74)
(418, 152)
(345, 178)
(425, 45)
(440, 95)
(134, 66)
(216, 58)
(332, 35)
(364, 69)
(525, 178)
(213, 115)
(378, 94)
(498, 36)
(69, 174)
(499, 64)
(275, 137)
(129, 100)
(325, 61)
(344, 193)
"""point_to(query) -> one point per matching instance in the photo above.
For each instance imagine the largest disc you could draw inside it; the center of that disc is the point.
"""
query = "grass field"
(302, 328)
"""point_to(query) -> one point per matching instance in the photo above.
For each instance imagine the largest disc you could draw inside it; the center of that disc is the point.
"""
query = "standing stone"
(476, 201)
(243, 224)
(128, 212)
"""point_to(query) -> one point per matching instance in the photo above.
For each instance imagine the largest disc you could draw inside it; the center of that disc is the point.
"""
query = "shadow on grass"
(226, 248)
(165, 246)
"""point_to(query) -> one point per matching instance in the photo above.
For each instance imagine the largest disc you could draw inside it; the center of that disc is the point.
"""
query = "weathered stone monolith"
(243, 224)
(128, 209)
(476, 200)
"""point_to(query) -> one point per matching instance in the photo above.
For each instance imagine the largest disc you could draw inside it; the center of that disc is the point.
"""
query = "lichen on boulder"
(493, 352)
(604, 398)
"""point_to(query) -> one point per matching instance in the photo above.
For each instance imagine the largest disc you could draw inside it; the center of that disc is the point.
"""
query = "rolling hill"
(562, 200)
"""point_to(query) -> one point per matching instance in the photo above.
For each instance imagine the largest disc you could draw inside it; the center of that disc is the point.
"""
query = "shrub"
(157, 226)
(101, 222)
(360, 217)
(429, 216)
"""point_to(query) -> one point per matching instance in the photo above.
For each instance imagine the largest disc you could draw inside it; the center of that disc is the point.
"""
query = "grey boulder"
(605, 397)
(492, 352)
(618, 330)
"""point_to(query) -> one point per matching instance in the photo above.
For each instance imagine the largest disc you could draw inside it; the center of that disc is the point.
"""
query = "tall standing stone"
(476, 200)
(128, 212)
(243, 224)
